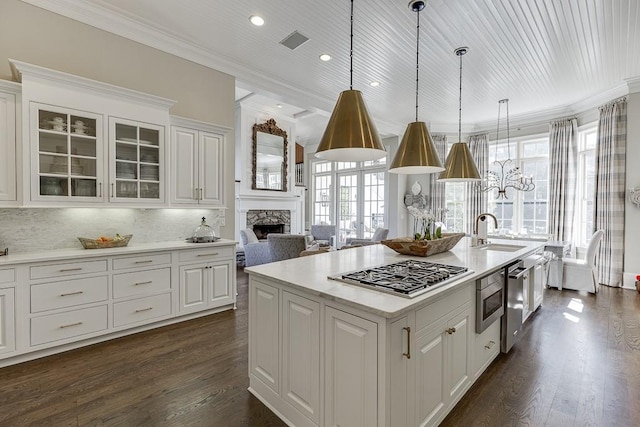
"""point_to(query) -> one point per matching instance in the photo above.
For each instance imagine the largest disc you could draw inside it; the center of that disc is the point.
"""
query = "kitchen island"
(324, 353)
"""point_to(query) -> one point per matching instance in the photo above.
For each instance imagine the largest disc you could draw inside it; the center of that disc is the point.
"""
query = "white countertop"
(64, 254)
(310, 273)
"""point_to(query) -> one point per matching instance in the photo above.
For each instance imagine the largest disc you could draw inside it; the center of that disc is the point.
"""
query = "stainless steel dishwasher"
(511, 327)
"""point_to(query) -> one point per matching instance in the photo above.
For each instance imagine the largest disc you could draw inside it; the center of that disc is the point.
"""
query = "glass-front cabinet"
(68, 155)
(136, 161)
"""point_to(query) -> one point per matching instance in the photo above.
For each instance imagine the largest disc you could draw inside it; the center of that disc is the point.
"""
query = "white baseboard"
(629, 280)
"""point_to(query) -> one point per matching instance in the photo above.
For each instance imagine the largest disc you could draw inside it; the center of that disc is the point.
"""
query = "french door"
(360, 203)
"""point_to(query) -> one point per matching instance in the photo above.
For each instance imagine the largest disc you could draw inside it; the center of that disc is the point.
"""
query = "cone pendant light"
(350, 134)
(460, 166)
(417, 152)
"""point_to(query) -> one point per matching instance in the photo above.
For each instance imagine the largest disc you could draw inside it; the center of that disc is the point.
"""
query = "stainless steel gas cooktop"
(406, 278)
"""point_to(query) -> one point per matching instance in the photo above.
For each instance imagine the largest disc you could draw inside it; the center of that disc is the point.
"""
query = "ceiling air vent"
(294, 40)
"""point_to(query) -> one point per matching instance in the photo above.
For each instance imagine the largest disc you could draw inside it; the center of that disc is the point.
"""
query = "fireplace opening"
(262, 230)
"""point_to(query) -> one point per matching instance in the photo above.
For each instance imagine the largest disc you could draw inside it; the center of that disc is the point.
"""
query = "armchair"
(378, 236)
(581, 274)
(255, 251)
(285, 246)
(323, 234)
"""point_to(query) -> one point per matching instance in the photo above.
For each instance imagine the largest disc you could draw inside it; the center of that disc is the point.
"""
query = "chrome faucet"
(482, 240)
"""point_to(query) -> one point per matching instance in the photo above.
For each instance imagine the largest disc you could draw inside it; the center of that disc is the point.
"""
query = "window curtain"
(437, 189)
(610, 190)
(563, 144)
(478, 146)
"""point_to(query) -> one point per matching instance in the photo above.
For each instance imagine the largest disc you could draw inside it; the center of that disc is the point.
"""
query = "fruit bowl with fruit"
(102, 242)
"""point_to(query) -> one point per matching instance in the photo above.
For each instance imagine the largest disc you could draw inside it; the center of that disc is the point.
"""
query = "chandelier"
(509, 175)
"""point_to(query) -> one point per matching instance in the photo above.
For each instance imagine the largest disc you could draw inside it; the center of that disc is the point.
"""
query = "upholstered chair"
(323, 234)
(285, 246)
(581, 274)
(255, 251)
(378, 236)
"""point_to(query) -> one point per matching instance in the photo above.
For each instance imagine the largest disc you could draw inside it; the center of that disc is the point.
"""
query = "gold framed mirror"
(269, 157)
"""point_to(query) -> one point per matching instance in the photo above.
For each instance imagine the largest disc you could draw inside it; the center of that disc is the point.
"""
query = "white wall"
(632, 213)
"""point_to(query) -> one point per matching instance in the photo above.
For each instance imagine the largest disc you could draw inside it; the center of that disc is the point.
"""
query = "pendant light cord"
(351, 52)
(460, 101)
(417, 60)
(497, 132)
(508, 142)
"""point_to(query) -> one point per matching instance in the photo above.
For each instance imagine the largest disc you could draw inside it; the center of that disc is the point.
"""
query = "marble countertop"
(65, 254)
(310, 273)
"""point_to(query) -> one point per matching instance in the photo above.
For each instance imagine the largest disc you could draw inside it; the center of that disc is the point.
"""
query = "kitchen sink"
(501, 247)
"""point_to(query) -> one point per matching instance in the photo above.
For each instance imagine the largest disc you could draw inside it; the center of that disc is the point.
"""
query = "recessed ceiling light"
(279, 105)
(325, 57)
(374, 83)
(256, 20)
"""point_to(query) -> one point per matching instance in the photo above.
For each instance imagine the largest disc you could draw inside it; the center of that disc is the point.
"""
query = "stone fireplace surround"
(257, 217)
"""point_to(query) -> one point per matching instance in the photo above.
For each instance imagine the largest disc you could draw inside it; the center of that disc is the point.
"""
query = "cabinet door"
(221, 290)
(136, 162)
(8, 191)
(401, 382)
(351, 363)
(7, 321)
(430, 357)
(193, 287)
(538, 283)
(184, 165)
(264, 345)
(211, 169)
(301, 354)
(458, 357)
(67, 155)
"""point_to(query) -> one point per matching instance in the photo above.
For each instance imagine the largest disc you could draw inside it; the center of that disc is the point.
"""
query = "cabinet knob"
(491, 344)
(450, 331)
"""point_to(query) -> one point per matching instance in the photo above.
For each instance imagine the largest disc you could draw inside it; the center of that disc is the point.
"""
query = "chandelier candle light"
(350, 135)
(417, 153)
(508, 176)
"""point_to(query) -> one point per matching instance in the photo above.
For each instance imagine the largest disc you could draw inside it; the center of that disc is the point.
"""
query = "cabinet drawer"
(55, 327)
(487, 347)
(7, 275)
(208, 254)
(49, 296)
(141, 261)
(67, 269)
(141, 309)
(434, 311)
(141, 282)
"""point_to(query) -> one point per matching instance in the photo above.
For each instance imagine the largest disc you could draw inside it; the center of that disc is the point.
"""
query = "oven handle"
(491, 289)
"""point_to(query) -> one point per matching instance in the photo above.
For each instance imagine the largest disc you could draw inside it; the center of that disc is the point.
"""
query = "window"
(356, 204)
(586, 181)
(455, 199)
(522, 212)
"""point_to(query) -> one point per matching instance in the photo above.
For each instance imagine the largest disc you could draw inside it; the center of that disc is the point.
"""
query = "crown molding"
(20, 69)
(9, 86)
(633, 84)
(200, 125)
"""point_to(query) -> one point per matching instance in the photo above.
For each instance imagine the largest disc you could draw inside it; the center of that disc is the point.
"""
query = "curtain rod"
(615, 101)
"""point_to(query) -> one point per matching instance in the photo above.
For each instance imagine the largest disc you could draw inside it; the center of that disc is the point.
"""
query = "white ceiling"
(544, 55)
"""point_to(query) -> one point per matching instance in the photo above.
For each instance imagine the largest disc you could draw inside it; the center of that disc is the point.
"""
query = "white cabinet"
(264, 342)
(486, 348)
(7, 320)
(301, 354)
(351, 370)
(136, 163)
(8, 127)
(536, 293)
(207, 279)
(197, 163)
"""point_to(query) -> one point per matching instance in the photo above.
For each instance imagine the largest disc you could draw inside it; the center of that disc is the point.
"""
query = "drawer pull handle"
(450, 331)
(213, 254)
(143, 262)
(143, 283)
(491, 344)
(72, 293)
(70, 325)
(408, 353)
(140, 310)
(65, 270)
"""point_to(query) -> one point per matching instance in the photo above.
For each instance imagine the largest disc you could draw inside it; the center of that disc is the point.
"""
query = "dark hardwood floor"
(578, 363)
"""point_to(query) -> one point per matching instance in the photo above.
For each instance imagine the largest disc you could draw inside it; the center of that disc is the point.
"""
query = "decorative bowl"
(99, 244)
(409, 246)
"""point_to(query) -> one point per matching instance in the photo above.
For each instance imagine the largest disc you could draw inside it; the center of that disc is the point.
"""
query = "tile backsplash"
(27, 230)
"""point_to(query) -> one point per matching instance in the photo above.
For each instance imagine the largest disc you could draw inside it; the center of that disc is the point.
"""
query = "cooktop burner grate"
(406, 278)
